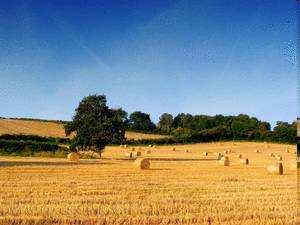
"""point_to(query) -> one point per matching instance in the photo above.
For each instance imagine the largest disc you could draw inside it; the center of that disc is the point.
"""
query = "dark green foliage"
(21, 137)
(165, 123)
(96, 125)
(139, 121)
(30, 147)
(199, 128)
(285, 132)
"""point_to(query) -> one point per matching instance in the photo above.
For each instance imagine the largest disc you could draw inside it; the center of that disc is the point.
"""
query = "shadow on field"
(41, 163)
(180, 159)
(169, 159)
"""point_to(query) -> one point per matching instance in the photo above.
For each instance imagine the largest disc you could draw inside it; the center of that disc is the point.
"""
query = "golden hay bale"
(138, 153)
(125, 146)
(148, 152)
(271, 154)
(73, 157)
(133, 149)
(219, 155)
(279, 157)
(287, 151)
(187, 151)
(129, 155)
(226, 152)
(142, 163)
(224, 161)
(150, 146)
(275, 168)
(205, 153)
(244, 161)
(257, 151)
(240, 156)
(173, 149)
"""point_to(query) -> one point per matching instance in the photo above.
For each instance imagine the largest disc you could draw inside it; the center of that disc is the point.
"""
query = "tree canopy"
(95, 124)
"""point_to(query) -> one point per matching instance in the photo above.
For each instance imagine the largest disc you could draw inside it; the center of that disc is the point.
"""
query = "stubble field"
(179, 188)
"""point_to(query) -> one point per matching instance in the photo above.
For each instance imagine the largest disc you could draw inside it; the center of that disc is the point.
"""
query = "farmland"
(179, 188)
(52, 129)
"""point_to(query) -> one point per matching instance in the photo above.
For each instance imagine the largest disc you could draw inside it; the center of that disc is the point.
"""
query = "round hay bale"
(226, 152)
(125, 146)
(73, 157)
(150, 146)
(205, 153)
(187, 151)
(271, 154)
(219, 155)
(275, 168)
(173, 149)
(287, 151)
(240, 156)
(257, 151)
(224, 161)
(279, 157)
(142, 163)
(138, 153)
(244, 161)
(133, 149)
(148, 152)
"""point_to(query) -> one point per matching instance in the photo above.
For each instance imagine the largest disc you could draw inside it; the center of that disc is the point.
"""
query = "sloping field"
(52, 129)
(188, 188)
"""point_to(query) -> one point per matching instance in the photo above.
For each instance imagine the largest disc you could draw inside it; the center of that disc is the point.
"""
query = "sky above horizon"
(199, 57)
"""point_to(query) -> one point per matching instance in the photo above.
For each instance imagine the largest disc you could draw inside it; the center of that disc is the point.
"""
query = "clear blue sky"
(199, 57)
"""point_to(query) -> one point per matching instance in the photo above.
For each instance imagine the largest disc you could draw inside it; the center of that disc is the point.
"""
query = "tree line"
(97, 125)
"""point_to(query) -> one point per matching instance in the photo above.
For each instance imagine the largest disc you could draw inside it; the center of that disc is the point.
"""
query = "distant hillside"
(52, 129)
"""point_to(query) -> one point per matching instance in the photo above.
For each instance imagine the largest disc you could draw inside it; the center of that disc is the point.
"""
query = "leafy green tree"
(285, 132)
(165, 123)
(139, 121)
(95, 124)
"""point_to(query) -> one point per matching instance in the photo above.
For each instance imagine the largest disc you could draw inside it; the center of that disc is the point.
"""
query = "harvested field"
(191, 189)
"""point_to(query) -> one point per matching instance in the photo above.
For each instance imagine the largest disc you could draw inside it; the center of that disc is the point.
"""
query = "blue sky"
(199, 57)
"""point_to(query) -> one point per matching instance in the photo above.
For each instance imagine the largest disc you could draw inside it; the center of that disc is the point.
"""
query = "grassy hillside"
(52, 129)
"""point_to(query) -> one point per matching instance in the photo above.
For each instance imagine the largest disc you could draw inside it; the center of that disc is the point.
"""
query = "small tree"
(96, 125)
(165, 123)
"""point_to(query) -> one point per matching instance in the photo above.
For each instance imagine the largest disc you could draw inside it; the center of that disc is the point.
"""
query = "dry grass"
(191, 189)
(52, 129)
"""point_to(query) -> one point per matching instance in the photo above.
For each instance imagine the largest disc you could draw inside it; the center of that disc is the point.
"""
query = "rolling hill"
(53, 129)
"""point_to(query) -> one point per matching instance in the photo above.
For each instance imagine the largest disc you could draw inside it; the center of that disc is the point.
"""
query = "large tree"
(165, 123)
(140, 121)
(95, 125)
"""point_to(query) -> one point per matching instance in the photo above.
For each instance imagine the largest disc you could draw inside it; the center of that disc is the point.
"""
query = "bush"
(28, 147)
(35, 138)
